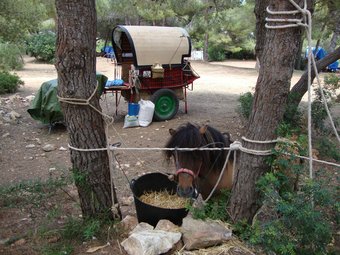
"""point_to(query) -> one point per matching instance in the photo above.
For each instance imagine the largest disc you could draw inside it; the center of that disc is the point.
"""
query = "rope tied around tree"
(306, 22)
(108, 121)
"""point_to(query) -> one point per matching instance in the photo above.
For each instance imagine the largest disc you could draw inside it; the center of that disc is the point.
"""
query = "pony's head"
(192, 165)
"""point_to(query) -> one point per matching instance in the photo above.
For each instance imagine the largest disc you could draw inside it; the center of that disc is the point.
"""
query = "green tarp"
(46, 108)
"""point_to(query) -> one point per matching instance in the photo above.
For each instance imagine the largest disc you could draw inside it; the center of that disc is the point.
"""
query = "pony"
(198, 171)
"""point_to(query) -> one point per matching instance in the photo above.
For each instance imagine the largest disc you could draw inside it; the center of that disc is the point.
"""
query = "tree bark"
(335, 36)
(271, 93)
(260, 32)
(76, 66)
(298, 61)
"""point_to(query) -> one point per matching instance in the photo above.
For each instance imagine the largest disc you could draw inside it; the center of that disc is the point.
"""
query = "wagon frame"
(152, 63)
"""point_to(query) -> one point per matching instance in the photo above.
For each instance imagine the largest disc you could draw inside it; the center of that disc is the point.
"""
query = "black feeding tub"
(151, 214)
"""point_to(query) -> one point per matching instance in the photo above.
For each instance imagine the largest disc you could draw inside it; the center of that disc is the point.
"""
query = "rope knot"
(235, 146)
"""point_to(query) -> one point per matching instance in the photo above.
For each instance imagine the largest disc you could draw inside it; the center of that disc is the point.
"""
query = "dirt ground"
(213, 101)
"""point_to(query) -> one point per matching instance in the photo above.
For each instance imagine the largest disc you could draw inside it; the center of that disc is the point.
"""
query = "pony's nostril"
(186, 192)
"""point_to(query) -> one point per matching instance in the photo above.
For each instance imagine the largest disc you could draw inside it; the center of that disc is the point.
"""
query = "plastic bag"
(146, 110)
(131, 121)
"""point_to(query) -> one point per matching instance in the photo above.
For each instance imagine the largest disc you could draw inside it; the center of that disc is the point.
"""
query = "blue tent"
(108, 52)
(320, 54)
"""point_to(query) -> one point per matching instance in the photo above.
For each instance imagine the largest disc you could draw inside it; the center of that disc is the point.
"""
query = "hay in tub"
(164, 199)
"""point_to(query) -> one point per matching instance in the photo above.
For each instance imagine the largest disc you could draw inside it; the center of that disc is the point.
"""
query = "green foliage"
(292, 115)
(76, 230)
(215, 208)
(327, 148)
(10, 57)
(319, 113)
(80, 179)
(285, 129)
(216, 53)
(42, 46)
(9, 83)
(303, 222)
(58, 249)
(43, 198)
(18, 18)
(31, 192)
(241, 54)
(246, 104)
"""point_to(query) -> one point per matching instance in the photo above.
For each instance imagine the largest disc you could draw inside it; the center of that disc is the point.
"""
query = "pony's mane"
(189, 136)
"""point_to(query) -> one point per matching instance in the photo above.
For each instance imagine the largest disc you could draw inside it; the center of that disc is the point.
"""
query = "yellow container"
(157, 71)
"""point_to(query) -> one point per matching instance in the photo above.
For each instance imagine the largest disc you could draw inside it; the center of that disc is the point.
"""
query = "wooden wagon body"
(153, 65)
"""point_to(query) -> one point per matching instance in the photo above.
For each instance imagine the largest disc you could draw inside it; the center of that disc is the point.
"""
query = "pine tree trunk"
(206, 47)
(76, 66)
(272, 88)
(335, 36)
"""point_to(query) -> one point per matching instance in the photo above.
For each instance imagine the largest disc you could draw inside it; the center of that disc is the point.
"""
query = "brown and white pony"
(198, 171)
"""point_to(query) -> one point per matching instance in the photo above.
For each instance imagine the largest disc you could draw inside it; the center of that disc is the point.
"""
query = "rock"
(127, 201)
(5, 135)
(129, 223)
(30, 98)
(167, 225)
(4, 241)
(201, 234)
(150, 242)
(6, 118)
(28, 146)
(49, 147)
(14, 115)
(20, 242)
(62, 148)
(267, 212)
(141, 227)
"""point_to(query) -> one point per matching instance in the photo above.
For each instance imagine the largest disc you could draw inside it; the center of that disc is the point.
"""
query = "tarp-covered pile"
(46, 108)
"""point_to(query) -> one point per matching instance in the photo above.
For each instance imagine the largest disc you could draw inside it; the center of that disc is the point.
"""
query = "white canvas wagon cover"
(147, 45)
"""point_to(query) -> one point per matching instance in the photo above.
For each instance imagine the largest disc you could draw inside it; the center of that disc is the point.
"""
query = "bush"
(216, 53)
(215, 208)
(327, 148)
(246, 104)
(319, 113)
(10, 57)
(302, 225)
(242, 54)
(9, 83)
(42, 46)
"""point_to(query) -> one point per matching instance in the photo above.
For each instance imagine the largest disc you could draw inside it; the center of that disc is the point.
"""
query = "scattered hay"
(231, 247)
(164, 199)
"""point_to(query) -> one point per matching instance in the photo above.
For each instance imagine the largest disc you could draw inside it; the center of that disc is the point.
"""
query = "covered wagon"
(152, 64)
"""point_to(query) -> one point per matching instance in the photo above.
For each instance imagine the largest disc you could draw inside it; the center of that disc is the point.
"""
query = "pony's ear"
(172, 131)
(203, 129)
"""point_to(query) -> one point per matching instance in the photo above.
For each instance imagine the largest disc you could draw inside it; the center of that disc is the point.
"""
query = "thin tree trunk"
(301, 87)
(76, 66)
(206, 36)
(272, 88)
(297, 65)
(335, 36)
(206, 47)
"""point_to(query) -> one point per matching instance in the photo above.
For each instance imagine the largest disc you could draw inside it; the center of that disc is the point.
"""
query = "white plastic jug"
(146, 110)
